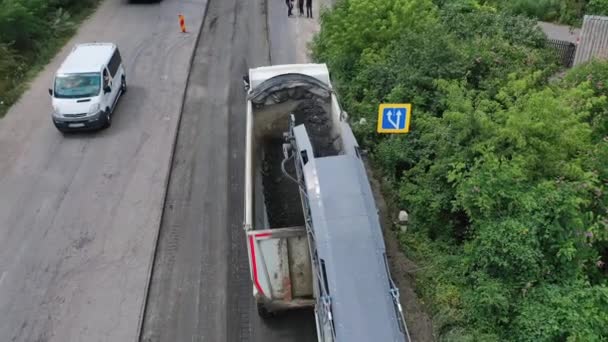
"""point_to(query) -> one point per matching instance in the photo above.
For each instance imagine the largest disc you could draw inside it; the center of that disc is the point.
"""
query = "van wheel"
(123, 85)
(107, 118)
(62, 131)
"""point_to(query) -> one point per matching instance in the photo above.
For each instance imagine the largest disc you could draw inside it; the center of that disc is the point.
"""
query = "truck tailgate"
(280, 264)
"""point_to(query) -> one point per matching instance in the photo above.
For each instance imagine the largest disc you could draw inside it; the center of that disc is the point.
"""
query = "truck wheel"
(264, 313)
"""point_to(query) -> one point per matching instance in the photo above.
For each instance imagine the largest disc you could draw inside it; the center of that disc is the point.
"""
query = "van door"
(115, 69)
(115, 89)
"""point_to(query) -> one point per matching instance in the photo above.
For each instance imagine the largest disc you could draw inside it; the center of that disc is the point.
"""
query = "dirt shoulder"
(402, 268)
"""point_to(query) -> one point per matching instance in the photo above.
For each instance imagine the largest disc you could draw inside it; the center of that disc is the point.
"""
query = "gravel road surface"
(79, 214)
(560, 32)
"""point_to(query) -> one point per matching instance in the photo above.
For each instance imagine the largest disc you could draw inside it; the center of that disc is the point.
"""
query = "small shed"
(593, 42)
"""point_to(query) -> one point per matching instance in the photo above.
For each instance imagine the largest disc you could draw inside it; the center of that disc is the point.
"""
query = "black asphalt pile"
(318, 126)
(281, 195)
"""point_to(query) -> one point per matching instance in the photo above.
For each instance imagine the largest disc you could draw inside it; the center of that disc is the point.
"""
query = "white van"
(87, 86)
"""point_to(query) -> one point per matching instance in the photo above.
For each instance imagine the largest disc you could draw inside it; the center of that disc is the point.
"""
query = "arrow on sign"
(389, 117)
(398, 119)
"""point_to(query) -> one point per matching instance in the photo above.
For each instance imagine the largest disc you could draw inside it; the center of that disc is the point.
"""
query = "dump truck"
(313, 233)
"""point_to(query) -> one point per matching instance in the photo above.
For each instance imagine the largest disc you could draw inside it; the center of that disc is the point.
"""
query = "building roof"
(89, 57)
(593, 42)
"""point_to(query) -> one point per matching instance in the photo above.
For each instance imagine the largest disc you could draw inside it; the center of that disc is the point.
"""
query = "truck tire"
(264, 313)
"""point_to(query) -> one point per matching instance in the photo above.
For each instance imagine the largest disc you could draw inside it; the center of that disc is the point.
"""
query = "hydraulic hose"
(285, 171)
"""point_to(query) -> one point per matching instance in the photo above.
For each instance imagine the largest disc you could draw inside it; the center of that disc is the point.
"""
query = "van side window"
(114, 63)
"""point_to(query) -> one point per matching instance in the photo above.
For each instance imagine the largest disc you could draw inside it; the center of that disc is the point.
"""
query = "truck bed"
(281, 194)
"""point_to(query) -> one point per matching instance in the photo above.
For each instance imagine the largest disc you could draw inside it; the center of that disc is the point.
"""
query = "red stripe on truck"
(256, 281)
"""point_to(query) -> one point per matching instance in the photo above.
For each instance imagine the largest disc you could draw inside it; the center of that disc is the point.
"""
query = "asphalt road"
(79, 215)
(560, 32)
(200, 288)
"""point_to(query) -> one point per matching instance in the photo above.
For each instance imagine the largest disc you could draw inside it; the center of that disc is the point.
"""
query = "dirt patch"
(418, 321)
(318, 126)
(281, 195)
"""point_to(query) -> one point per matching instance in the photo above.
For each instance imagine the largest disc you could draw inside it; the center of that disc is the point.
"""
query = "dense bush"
(504, 173)
(561, 11)
(30, 33)
(597, 7)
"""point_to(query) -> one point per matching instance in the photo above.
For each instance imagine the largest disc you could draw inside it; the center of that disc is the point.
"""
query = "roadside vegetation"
(568, 12)
(31, 33)
(504, 173)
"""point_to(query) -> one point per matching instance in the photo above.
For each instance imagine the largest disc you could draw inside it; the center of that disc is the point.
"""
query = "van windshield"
(77, 85)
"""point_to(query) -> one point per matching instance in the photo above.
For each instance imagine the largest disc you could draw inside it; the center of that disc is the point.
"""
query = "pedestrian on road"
(301, 6)
(289, 7)
(308, 8)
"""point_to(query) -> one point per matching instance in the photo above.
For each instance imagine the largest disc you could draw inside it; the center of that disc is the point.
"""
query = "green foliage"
(597, 7)
(10, 69)
(30, 33)
(504, 174)
(355, 27)
(21, 24)
(575, 312)
(572, 11)
(595, 75)
(548, 10)
(561, 11)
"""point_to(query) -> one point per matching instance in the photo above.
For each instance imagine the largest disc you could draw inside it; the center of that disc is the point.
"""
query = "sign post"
(394, 118)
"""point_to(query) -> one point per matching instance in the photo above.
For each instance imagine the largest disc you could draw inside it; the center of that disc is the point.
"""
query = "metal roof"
(593, 39)
(349, 239)
(89, 57)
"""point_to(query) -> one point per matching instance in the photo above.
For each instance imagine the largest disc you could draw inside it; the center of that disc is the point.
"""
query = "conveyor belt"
(356, 299)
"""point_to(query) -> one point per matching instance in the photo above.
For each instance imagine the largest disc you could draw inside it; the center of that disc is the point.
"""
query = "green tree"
(504, 173)
(30, 33)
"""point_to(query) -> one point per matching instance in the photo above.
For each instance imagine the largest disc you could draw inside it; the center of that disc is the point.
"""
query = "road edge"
(267, 29)
(419, 322)
(142, 311)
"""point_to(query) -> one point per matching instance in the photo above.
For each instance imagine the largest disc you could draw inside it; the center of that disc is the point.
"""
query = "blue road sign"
(394, 117)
